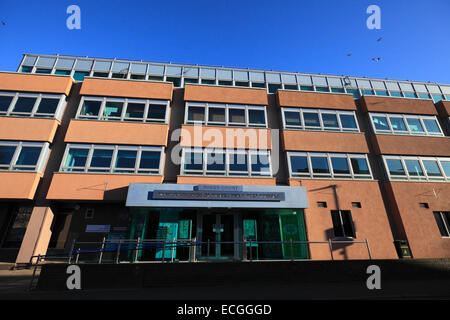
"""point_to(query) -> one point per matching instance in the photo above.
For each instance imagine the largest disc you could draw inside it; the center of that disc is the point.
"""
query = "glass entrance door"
(217, 228)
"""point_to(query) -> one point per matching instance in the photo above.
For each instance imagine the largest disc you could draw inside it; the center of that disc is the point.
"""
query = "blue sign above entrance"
(215, 196)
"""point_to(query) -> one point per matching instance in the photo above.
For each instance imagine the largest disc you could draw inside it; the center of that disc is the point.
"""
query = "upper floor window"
(112, 159)
(225, 114)
(226, 162)
(319, 119)
(417, 168)
(328, 165)
(38, 105)
(405, 124)
(120, 109)
(23, 156)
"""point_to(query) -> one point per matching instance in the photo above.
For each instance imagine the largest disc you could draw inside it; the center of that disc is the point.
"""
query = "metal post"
(292, 249)
(173, 248)
(164, 251)
(118, 252)
(34, 271)
(101, 251)
(368, 249)
(137, 249)
(208, 248)
(244, 250)
(78, 255)
(193, 250)
(331, 249)
(251, 250)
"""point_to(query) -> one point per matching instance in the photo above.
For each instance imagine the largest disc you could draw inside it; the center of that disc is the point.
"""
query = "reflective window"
(380, 123)
(417, 168)
(395, 167)
(405, 124)
(414, 125)
(311, 119)
(22, 156)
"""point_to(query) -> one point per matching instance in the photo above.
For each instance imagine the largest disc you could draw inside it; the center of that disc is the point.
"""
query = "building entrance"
(216, 231)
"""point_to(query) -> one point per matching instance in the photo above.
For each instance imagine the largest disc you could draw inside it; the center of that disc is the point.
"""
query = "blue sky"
(296, 35)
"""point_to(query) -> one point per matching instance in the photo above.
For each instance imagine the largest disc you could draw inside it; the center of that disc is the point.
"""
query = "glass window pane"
(196, 113)
(6, 154)
(431, 125)
(216, 114)
(193, 161)
(340, 165)
(65, 63)
(24, 104)
(257, 76)
(256, 117)
(414, 125)
(79, 75)
(29, 156)
(102, 66)
(48, 106)
(113, 109)
(120, 67)
(29, 60)
(224, 74)
(311, 119)
(446, 167)
(238, 162)
(173, 71)
(299, 164)
(76, 157)
(260, 164)
(432, 168)
(45, 62)
(329, 120)
(398, 124)
(135, 110)
(414, 168)
(320, 165)
(395, 167)
(126, 159)
(241, 75)
(208, 73)
(5, 101)
(215, 161)
(359, 166)
(140, 68)
(236, 115)
(380, 123)
(84, 65)
(157, 111)
(90, 108)
(101, 158)
(150, 160)
(292, 118)
(63, 72)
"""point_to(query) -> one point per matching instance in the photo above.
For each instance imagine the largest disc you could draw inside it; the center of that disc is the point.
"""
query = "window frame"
(123, 117)
(321, 126)
(405, 117)
(408, 177)
(112, 167)
(19, 145)
(444, 221)
(331, 175)
(342, 226)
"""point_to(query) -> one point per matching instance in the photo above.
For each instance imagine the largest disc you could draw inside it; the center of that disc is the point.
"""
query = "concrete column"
(37, 236)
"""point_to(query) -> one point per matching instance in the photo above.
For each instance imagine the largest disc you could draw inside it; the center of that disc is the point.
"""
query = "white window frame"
(321, 126)
(125, 101)
(45, 147)
(407, 176)
(405, 117)
(331, 175)
(112, 168)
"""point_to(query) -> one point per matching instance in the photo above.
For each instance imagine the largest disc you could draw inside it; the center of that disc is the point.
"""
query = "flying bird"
(4, 23)
(349, 54)
(379, 39)
(376, 59)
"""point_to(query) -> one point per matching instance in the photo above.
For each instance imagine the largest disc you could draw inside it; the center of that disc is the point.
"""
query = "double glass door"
(217, 235)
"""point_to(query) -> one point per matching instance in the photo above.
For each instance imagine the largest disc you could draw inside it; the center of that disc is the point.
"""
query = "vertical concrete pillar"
(37, 236)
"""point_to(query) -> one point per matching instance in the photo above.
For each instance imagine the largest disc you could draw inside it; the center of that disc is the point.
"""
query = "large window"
(314, 119)
(343, 224)
(405, 124)
(222, 162)
(225, 114)
(31, 104)
(23, 156)
(417, 168)
(112, 159)
(443, 222)
(328, 165)
(115, 109)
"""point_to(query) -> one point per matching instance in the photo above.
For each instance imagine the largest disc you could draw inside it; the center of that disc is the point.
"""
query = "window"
(112, 159)
(225, 114)
(22, 156)
(225, 162)
(328, 165)
(343, 224)
(443, 222)
(312, 119)
(405, 124)
(31, 105)
(112, 109)
(417, 168)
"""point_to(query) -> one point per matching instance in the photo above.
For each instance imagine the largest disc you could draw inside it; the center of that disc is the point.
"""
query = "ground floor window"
(343, 224)
(443, 222)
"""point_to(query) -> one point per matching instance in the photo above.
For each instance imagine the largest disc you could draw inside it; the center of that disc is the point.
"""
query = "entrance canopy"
(215, 196)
